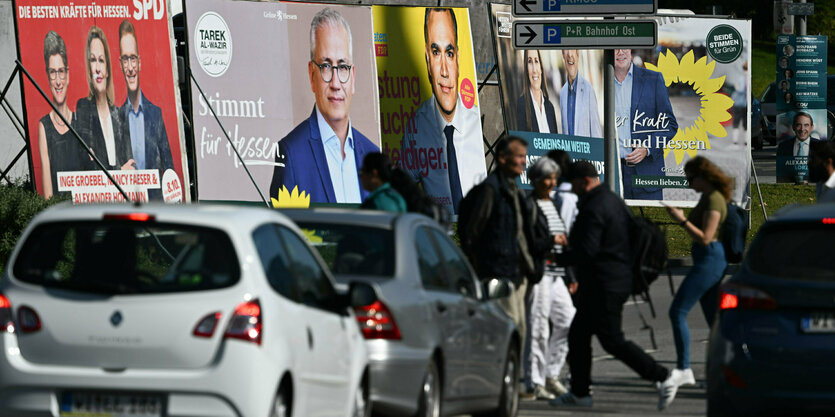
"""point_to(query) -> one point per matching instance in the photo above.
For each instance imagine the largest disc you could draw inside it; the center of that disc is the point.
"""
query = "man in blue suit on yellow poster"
(645, 122)
(323, 154)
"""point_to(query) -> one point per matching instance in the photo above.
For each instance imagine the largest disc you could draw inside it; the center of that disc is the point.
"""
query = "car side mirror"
(361, 294)
(497, 288)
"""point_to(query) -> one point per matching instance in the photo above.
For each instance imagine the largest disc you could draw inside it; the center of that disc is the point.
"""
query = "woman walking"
(550, 309)
(701, 283)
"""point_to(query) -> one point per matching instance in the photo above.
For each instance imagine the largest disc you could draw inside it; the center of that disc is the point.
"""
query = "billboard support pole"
(609, 132)
(228, 139)
(15, 119)
(96, 159)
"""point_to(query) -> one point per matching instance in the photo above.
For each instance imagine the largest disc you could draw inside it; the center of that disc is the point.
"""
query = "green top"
(712, 201)
(385, 198)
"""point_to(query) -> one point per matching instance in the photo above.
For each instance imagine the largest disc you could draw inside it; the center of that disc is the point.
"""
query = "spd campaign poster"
(552, 98)
(801, 103)
(107, 65)
(689, 96)
(429, 110)
(294, 85)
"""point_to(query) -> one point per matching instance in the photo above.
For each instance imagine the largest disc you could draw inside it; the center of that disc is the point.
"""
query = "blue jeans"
(701, 284)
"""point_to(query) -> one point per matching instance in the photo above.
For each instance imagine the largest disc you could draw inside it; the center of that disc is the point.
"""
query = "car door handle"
(440, 306)
(309, 339)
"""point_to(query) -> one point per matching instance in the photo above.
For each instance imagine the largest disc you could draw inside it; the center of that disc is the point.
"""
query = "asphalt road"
(617, 390)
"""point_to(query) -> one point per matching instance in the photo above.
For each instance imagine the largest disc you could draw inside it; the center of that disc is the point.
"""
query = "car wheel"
(362, 407)
(509, 397)
(281, 404)
(429, 403)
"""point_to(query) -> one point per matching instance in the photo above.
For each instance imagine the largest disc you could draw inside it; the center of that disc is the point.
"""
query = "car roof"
(373, 218)
(225, 216)
(804, 212)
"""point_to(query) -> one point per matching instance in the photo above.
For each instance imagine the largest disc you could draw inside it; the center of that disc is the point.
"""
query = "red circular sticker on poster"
(467, 93)
(172, 189)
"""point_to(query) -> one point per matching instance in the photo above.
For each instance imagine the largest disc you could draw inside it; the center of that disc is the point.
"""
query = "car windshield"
(122, 257)
(353, 249)
(795, 251)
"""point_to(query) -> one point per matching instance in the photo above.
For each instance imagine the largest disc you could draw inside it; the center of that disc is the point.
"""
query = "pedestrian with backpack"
(599, 248)
(550, 309)
(701, 284)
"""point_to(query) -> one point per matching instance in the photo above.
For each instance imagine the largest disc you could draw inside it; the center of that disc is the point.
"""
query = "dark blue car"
(772, 347)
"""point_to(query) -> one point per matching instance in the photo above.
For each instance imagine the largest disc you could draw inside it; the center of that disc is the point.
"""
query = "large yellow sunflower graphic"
(286, 199)
(714, 105)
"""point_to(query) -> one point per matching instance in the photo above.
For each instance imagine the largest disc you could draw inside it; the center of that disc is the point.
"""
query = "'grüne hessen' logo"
(280, 15)
(213, 44)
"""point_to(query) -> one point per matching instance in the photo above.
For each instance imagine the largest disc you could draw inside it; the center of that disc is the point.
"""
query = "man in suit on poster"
(578, 103)
(642, 111)
(323, 154)
(143, 119)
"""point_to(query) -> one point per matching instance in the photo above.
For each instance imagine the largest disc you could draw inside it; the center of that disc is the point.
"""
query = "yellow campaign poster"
(430, 121)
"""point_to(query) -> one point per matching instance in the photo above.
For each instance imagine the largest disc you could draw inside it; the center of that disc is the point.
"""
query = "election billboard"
(294, 86)
(429, 108)
(688, 96)
(801, 103)
(107, 67)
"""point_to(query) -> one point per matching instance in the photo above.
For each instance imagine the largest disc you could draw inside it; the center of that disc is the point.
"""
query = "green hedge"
(18, 204)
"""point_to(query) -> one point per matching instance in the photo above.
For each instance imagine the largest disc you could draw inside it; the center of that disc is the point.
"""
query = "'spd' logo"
(213, 44)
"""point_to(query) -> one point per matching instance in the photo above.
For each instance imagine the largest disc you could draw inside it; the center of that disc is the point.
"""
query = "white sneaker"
(543, 394)
(554, 385)
(568, 399)
(684, 376)
(667, 389)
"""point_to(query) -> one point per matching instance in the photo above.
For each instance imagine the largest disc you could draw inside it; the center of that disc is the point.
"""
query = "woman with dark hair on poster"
(58, 148)
(534, 112)
(99, 121)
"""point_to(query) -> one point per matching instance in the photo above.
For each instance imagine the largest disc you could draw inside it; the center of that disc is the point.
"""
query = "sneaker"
(667, 389)
(569, 399)
(527, 395)
(543, 394)
(684, 376)
(554, 385)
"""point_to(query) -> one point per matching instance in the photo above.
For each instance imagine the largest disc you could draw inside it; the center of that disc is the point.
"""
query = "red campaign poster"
(107, 67)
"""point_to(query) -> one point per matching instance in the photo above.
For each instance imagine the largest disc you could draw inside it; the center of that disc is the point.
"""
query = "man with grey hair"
(323, 154)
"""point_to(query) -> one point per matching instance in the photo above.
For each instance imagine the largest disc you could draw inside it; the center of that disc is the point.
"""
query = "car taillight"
(376, 322)
(6, 323)
(246, 322)
(207, 325)
(735, 296)
(28, 320)
(135, 217)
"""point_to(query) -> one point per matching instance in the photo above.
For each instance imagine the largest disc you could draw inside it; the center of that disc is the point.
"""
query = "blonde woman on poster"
(534, 111)
(58, 147)
(100, 122)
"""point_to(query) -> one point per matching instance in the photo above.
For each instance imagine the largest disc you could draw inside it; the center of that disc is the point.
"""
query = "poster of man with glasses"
(323, 154)
(294, 87)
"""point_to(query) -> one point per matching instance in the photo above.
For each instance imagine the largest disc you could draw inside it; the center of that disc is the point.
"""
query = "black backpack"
(649, 253)
(733, 233)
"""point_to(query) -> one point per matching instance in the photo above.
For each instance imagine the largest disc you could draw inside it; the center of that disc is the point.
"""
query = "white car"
(191, 310)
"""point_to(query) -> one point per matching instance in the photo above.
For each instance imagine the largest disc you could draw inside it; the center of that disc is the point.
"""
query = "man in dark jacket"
(599, 249)
(496, 234)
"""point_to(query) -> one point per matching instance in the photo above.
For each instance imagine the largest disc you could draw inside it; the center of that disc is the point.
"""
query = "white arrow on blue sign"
(583, 7)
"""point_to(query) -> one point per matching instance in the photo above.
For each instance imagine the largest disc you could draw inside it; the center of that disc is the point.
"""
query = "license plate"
(818, 323)
(109, 404)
